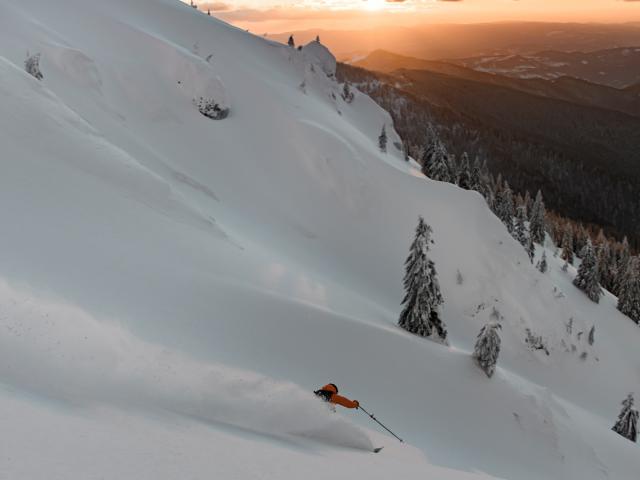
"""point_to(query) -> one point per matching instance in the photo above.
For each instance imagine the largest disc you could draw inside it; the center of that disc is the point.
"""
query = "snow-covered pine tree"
(484, 171)
(347, 94)
(587, 279)
(629, 299)
(567, 245)
(405, 150)
(464, 175)
(476, 180)
(497, 186)
(520, 229)
(487, 348)
(622, 265)
(422, 299)
(431, 143)
(542, 264)
(438, 166)
(454, 168)
(592, 335)
(627, 420)
(603, 255)
(537, 219)
(530, 248)
(505, 209)
(382, 139)
(32, 66)
(485, 184)
(528, 202)
(580, 238)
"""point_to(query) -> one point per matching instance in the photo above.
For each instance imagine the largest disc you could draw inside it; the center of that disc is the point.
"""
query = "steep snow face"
(177, 273)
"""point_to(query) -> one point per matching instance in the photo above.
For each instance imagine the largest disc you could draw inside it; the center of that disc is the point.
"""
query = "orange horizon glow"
(274, 16)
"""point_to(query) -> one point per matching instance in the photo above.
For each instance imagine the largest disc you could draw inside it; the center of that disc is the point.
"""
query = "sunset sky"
(283, 15)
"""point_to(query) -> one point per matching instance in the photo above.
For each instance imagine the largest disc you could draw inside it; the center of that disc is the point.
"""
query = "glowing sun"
(375, 4)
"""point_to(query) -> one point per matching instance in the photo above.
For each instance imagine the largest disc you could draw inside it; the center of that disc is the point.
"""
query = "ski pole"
(379, 423)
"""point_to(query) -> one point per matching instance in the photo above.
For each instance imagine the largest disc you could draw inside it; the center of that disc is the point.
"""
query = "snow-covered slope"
(173, 287)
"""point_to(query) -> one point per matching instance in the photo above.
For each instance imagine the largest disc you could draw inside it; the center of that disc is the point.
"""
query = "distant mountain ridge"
(564, 88)
(471, 40)
(616, 67)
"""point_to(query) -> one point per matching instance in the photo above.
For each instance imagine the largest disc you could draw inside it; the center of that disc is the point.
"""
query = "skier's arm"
(345, 402)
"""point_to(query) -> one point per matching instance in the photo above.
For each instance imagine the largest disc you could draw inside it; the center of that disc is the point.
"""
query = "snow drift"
(58, 350)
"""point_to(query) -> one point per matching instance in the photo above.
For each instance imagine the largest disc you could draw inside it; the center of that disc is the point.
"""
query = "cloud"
(280, 13)
(219, 6)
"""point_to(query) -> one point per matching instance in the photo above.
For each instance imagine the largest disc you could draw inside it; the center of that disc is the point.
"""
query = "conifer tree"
(476, 176)
(291, 42)
(405, 150)
(567, 245)
(430, 147)
(505, 209)
(520, 229)
(485, 184)
(438, 166)
(587, 278)
(32, 66)
(347, 94)
(592, 335)
(537, 219)
(497, 186)
(629, 298)
(464, 175)
(542, 264)
(530, 247)
(487, 348)
(454, 168)
(604, 261)
(622, 265)
(528, 202)
(580, 238)
(382, 140)
(484, 171)
(627, 420)
(422, 300)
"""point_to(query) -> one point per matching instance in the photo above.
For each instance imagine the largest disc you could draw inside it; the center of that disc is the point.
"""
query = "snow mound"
(77, 66)
(320, 56)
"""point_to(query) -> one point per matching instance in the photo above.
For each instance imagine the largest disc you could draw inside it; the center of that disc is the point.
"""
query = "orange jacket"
(339, 399)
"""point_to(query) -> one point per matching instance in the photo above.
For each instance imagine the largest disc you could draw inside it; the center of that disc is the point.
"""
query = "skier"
(329, 393)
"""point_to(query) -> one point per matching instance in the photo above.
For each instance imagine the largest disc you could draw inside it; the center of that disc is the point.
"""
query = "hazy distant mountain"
(460, 41)
(585, 159)
(563, 88)
(618, 67)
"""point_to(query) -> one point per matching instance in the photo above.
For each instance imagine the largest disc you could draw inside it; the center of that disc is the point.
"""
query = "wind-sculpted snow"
(58, 350)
